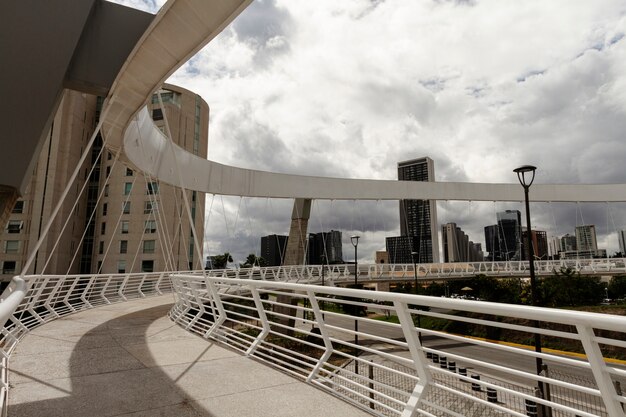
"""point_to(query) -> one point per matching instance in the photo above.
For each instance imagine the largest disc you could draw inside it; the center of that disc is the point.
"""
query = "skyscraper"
(418, 218)
(273, 249)
(325, 248)
(503, 239)
(457, 247)
(122, 222)
(586, 238)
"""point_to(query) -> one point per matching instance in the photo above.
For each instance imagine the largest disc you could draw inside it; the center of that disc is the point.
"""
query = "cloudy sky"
(349, 88)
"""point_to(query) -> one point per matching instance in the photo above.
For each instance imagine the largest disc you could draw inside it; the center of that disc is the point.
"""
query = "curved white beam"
(179, 30)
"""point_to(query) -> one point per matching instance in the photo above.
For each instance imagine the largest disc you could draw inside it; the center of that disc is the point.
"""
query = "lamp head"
(521, 174)
(355, 240)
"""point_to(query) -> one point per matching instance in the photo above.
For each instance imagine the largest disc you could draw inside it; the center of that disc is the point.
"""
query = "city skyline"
(289, 93)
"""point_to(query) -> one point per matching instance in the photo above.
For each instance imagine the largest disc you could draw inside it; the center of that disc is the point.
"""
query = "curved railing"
(344, 273)
(309, 331)
(37, 299)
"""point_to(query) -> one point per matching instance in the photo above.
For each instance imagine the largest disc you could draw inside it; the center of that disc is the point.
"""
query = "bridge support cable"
(161, 231)
(107, 105)
(192, 225)
(67, 220)
(118, 222)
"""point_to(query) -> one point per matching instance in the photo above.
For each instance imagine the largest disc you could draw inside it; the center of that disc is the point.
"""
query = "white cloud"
(349, 88)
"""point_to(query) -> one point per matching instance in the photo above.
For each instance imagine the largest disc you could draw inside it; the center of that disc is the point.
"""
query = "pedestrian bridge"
(190, 345)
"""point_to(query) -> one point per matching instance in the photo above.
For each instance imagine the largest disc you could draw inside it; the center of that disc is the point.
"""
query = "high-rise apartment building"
(586, 238)
(568, 243)
(457, 247)
(273, 249)
(539, 241)
(418, 218)
(122, 221)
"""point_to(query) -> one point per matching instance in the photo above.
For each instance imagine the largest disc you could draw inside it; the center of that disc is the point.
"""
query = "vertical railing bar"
(263, 317)
(328, 344)
(419, 359)
(600, 371)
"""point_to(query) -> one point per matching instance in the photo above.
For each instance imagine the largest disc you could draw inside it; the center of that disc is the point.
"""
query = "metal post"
(355, 242)
(521, 171)
(371, 383)
(419, 324)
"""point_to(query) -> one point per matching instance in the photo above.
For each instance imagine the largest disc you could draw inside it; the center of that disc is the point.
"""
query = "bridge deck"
(129, 359)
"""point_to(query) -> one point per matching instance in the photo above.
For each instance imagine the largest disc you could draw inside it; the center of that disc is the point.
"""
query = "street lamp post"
(521, 176)
(355, 242)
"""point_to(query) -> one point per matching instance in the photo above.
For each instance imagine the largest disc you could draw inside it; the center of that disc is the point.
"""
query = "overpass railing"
(431, 356)
(377, 272)
(37, 299)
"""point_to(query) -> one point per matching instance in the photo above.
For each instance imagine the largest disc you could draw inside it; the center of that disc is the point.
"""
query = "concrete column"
(294, 255)
(298, 236)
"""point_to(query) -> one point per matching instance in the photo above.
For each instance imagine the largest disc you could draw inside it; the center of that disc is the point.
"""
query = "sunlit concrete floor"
(130, 359)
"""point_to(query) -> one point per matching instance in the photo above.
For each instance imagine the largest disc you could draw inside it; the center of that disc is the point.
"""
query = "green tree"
(617, 286)
(568, 288)
(221, 261)
(253, 260)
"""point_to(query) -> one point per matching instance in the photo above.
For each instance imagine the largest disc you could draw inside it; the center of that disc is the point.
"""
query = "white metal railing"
(382, 272)
(309, 332)
(37, 299)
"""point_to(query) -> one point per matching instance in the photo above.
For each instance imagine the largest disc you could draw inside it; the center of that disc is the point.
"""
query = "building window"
(150, 207)
(106, 190)
(126, 207)
(153, 188)
(123, 246)
(150, 226)
(103, 228)
(157, 114)
(101, 248)
(108, 171)
(148, 246)
(124, 226)
(14, 226)
(9, 267)
(18, 207)
(12, 246)
(127, 187)
(99, 267)
(147, 266)
(105, 208)
(121, 267)
(129, 172)
(109, 156)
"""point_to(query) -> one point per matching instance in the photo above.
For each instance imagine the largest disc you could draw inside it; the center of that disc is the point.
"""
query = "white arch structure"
(182, 28)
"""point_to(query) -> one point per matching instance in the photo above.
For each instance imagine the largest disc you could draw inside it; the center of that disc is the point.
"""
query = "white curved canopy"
(183, 27)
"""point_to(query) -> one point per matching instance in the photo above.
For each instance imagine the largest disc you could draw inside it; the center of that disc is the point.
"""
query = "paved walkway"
(130, 360)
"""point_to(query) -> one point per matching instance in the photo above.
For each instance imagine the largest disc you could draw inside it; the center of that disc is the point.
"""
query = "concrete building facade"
(121, 222)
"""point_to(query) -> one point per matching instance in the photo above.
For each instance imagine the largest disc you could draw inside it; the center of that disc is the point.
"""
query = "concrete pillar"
(298, 235)
(294, 255)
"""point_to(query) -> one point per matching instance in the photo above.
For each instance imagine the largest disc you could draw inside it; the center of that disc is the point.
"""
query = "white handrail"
(244, 317)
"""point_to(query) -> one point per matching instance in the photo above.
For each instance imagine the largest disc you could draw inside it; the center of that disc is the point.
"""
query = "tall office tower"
(510, 232)
(492, 243)
(539, 241)
(273, 249)
(325, 248)
(127, 224)
(418, 218)
(568, 243)
(621, 236)
(586, 238)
